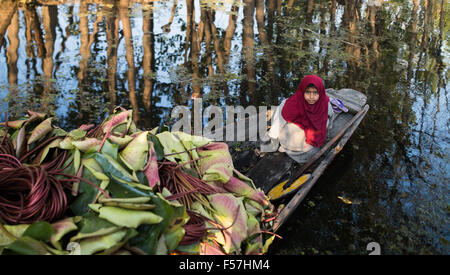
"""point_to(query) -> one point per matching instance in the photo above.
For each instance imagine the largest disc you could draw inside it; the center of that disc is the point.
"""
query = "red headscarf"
(312, 118)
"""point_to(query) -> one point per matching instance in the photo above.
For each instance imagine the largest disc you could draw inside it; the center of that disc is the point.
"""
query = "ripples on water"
(78, 60)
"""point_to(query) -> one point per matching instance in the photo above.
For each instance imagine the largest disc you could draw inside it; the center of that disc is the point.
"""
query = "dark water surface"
(78, 60)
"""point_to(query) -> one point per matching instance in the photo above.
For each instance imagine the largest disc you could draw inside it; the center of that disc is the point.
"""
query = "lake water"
(77, 61)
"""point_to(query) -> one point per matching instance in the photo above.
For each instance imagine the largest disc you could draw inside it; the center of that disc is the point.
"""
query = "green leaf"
(230, 213)
(70, 169)
(190, 248)
(172, 145)
(86, 193)
(77, 134)
(27, 246)
(121, 141)
(268, 243)
(41, 130)
(95, 206)
(62, 228)
(66, 144)
(19, 141)
(120, 129)
(130, 234)
(95, 244)
(162, 128)
(47, 148)
(132, 206)
(76, 159)
(173, 238)
(15, 230)
(91, 223)
(16, 124)
(126, 200)
(116, 120)
(128, 218)
(122, 190)
(138, 203)
(87, 145)
(93, 226)
(161, 246)
(174, 216)
(58, 132)
(94, 168)
(99, 232)
(110, 149)
(41, 231)
(142, 178)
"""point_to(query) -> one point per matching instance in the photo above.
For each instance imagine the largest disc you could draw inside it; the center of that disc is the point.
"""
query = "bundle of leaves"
(114, 189)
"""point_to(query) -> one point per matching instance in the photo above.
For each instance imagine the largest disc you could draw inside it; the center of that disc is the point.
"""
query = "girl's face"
(311, 95)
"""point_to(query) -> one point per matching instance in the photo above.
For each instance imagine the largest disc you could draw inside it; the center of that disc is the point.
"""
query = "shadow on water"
(77, 60)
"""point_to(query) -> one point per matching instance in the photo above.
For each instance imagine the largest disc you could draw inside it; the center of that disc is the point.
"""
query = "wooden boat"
(269, 169)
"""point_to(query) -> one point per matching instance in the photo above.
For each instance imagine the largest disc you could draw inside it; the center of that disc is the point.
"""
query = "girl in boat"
(300, 122)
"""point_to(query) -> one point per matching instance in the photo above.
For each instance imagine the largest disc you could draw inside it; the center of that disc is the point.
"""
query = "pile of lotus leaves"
(128, 209)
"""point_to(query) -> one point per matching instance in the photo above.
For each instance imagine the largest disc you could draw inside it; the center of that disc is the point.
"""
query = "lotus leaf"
(92, 245)
(128, 218)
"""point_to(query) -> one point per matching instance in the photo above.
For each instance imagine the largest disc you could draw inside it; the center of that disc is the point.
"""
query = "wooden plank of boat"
(302, 192)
